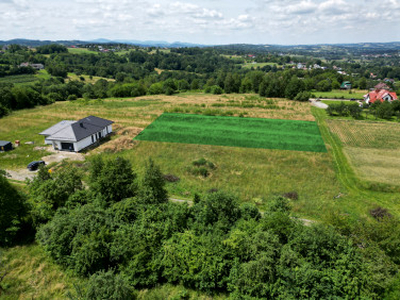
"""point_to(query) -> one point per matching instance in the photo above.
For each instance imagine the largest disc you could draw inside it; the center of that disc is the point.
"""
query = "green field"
(258, 65)
(19, 79)
(235, 132)
(341, 94)
(81, 51)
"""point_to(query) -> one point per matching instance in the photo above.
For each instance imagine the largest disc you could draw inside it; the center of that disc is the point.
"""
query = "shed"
(5, 146)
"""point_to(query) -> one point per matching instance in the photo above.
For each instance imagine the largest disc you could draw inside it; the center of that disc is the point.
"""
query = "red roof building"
(380, 95)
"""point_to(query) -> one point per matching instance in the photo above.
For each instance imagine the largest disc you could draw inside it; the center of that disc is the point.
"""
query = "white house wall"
(86, 142)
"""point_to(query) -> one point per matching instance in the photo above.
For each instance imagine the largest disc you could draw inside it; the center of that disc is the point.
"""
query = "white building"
(77, 135)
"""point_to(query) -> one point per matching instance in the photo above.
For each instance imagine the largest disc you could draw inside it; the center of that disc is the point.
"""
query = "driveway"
(56, 157)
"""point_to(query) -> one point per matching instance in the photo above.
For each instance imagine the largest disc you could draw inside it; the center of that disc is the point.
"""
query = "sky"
(208, 22)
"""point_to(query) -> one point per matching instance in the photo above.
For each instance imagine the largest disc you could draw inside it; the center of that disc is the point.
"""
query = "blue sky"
(284, 22)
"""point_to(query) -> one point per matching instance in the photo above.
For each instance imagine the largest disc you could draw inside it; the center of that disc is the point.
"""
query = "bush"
(107, 285)
(199, 162)
(171, 178)
(380, 213)
(291, 195)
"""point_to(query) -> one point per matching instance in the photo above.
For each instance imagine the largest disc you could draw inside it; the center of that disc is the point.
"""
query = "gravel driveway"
(58, 156)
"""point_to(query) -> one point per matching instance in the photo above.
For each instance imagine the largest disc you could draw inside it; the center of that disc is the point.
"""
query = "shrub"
(200, 162)
(380, 213)
(107, 285)
(171, 178)
(291, 195)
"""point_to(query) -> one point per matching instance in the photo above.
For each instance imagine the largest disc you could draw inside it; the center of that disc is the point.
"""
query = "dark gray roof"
(4, 143)
(80, 129)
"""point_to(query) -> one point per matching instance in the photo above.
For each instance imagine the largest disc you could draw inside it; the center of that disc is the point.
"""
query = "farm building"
(5, 146)
(76, 135)
(380, 95)
(346, 85)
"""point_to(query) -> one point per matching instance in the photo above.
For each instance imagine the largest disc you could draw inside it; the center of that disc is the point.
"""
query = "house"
(5, 146)
(346, 85)
(381, 86)
(381, 95)
(76, 135)
(35, 66)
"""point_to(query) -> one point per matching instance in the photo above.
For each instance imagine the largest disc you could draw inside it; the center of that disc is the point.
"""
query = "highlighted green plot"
(235, 132)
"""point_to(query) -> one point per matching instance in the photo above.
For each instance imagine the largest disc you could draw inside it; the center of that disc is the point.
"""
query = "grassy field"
(19, 79)
(252, 174)
(235, 132)
(31, 274)
(341, 94)
(81, 51)
(258, 65)
(358, 196)
(88, 79)
(373, 148)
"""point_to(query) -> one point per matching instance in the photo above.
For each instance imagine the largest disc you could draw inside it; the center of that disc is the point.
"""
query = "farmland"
(253, 174)
(235, 132)
(341, 94)
(373, 148)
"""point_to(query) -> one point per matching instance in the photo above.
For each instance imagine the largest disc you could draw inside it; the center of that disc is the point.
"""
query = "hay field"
(252, 174)
(373, 148)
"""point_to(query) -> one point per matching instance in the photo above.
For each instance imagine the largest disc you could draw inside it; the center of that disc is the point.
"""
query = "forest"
(150, 71)
(124, 235)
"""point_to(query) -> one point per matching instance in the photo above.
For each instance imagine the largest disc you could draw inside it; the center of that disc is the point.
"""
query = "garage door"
(67, 146)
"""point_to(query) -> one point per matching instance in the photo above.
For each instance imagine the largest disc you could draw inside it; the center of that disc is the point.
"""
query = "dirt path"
(318, 104)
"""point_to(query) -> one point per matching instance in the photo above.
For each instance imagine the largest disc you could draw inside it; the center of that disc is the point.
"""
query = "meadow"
(372, 148)
(235, 132)
(19, 79)
(258, 65)
(341, 94)
(254, 175)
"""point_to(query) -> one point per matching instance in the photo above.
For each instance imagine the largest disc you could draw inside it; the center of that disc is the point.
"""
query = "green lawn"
(235, 132)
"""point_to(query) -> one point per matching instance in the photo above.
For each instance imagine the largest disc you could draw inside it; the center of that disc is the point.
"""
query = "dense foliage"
(217, 245)
(13, 210)
(142, 71)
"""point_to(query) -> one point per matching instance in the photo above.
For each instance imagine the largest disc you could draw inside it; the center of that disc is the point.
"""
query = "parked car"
(33, 166)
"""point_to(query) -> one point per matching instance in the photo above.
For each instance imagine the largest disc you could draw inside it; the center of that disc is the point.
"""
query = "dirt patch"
(22, 174)
(59, 156)
(117, 145)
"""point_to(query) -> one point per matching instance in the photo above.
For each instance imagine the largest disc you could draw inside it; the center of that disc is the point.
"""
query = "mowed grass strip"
(235, 132)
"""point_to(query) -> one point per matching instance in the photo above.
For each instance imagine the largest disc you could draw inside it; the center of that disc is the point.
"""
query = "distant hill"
(338, 48)
(161, 44)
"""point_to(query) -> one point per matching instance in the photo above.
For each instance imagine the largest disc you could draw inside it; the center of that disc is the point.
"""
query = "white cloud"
(208, 21)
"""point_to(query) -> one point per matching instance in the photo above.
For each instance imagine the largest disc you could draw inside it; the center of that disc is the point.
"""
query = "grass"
(31, 274)
(235, 132)
(19, 79)
(258, 65)
(373, 148)
(358, 196)
(88, 79)
(341, 94)
(81, 51)
(254, 175)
